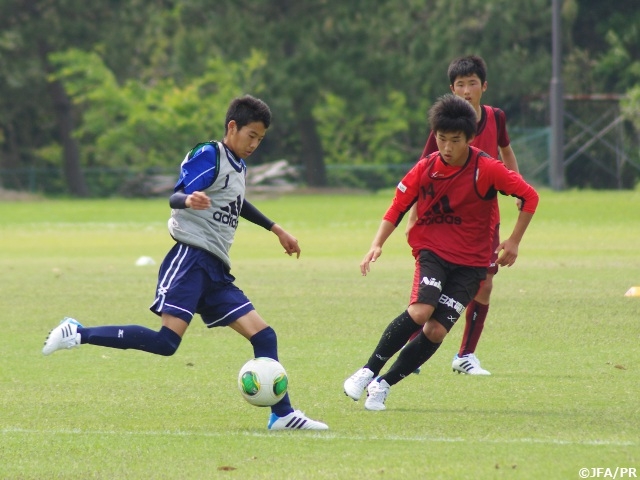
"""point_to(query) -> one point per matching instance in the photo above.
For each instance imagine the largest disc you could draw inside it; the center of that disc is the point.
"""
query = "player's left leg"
(394, 337)
(414, 354)
(459, 285)
(265, 344)
(424, 297)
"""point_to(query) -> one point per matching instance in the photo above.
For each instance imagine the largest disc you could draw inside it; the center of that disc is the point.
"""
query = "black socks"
(417, 351)
(393, 339)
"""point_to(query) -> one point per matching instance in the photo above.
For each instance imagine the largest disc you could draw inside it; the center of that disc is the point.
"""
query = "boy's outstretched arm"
(288, 241)
(384, 231)
(508, 249)
(509, 158)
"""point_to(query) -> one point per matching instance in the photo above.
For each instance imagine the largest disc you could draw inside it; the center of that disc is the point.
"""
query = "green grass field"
(562, 342)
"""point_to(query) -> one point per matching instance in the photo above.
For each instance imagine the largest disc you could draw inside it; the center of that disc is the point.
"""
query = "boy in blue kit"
(195, 275)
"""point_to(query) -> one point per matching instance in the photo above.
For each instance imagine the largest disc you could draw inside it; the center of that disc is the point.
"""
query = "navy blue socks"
(165, 342)
(265, 344)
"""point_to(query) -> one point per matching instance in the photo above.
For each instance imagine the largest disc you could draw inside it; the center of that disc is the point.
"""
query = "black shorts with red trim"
(446, 286)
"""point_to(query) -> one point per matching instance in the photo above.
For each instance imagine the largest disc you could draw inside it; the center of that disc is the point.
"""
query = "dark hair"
(467, 66)
(453, 114)
(247, 109)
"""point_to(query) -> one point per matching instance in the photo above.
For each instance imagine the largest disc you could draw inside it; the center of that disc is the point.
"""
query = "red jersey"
(455, 205)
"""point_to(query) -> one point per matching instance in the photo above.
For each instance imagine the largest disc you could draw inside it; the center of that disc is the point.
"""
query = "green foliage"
(560, 341)
(507, 34)
(610, 37)
(353, 139)
(630, 106)
(618, 66)
(151, 78)
(362, 151)
(145, 125)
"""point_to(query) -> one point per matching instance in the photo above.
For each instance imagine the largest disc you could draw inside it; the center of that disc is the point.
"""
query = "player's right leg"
(469, 364)
(465, 361)
(64, 336)
(180, 282)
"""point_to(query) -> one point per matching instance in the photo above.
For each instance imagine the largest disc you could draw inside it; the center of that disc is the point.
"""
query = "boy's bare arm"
(509, 158)
(288, 241)
(384, 231)
(508, 249)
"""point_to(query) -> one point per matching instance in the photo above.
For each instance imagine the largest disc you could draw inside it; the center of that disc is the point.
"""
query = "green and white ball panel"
(262, 382)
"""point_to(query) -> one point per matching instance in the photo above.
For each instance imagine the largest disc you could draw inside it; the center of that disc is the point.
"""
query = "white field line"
(322, 436)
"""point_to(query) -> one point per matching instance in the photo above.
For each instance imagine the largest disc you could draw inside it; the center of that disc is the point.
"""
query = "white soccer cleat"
(377, 393)
(63, 336)
(356, 383)
(295, 421)
(468, 364)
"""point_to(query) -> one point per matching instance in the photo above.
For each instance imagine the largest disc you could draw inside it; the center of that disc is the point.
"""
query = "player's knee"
(435, 331)
(420, 312)
(168, 342)
(484, 292)
(487, 284)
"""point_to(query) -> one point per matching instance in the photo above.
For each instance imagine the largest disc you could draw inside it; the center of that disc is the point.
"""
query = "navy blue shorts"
(193, 281)
(446, 286)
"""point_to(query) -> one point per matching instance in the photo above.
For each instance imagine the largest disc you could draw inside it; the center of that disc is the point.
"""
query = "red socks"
(476, 315)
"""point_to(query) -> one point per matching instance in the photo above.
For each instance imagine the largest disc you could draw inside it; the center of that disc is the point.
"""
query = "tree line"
(135, 83)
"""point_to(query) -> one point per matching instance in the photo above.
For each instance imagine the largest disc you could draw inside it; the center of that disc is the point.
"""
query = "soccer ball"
(262, 381)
